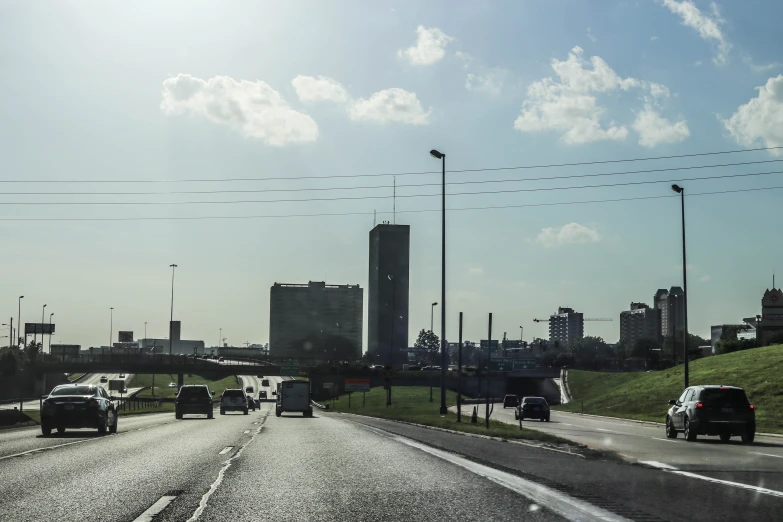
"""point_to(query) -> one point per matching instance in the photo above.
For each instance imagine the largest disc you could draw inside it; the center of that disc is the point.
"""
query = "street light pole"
(43, 310)
(681, 192)
(443, 410)
(521, 330)
(19, 322)
(111, 325)
(50, 332)
(432, 315)
(171, 318)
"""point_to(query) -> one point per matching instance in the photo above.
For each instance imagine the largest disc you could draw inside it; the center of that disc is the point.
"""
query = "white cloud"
(590, 35)
(570, 233)
(465, 57)
(430, 46)
(760, 68)
(489, 82)
(705, 278)
(761, 119)
(654, 129)
(390, 105)
(708, 26)
(252, 107)
(570, 105)
(311, 88)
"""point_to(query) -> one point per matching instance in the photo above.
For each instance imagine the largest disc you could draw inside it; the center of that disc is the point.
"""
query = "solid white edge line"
(768, 454)
(46, 448)
(757, 489)
(226, 450)
(560, 503)
(155, 508)
(656, 464)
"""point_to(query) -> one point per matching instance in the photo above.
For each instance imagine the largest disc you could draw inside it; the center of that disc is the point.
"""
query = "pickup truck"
(293, 396)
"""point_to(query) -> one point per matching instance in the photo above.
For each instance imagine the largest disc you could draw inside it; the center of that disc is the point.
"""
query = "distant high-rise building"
(566, 325)
(388, 291)
(671, 306)
(315, 320)
(640, 322)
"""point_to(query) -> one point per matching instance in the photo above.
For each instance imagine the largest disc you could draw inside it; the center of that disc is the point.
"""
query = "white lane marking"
(226, 450)
(562, 504)
(665, 440)
(154, 509)
(46, 448)
(757, 489)
(768, 455)
(247, 431)
(602, 429)
(219, 480)
(656, 464)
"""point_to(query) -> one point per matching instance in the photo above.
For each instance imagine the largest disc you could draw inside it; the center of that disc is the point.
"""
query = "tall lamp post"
(50, 332)
(111, 325)
(681, 191)
(439, 155)
(432, 315)
(19, 321)
(171, 319)
(43, 309)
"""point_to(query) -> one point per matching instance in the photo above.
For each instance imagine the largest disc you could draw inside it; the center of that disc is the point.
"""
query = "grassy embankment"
(645, 396)
(412, 404)
(162, 381)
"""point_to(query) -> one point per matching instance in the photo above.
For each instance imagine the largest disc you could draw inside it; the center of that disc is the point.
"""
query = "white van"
(294, 396)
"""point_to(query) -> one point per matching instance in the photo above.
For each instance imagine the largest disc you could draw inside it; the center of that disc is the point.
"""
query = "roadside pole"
(489, 359)
(349, 400)
(459, 372)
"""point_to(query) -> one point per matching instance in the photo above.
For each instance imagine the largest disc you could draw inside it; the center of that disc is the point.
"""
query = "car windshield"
(535, 400)
(233, 393)
(195, 391)
(73, 390)
(718, 396)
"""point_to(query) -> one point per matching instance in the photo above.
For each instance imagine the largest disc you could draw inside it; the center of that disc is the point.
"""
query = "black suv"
(193, 399)
(510, 401)
(532, 408)
(712, 410)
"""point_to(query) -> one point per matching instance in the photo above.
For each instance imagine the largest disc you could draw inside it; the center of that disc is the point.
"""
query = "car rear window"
(535, 400)
(195, 391)
(74, 390)
(723, 396)
(232, 393)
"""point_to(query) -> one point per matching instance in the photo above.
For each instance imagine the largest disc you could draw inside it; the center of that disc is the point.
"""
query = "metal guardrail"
(133, 403)
(22, 400)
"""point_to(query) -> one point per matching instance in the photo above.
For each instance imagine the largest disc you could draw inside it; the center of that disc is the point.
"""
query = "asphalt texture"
(757, 464)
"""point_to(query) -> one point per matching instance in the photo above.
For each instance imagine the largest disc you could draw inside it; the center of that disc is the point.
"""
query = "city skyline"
(99, 197)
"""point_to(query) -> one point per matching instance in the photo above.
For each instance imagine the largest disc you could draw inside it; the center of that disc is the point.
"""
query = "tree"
(10, 360)
(775, 338)
(429, 342)
(32, 350)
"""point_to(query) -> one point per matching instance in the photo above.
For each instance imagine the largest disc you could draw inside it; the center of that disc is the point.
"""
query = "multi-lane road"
(335, 467)
(91, 378)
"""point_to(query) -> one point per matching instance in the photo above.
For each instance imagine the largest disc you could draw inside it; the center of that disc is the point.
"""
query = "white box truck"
(293, 396)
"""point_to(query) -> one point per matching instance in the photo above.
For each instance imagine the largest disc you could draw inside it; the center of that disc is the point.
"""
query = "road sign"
(38, 328)
(289, 368)
(493, 345)
(328, 385)
(512, 343)
(117, 385)
(501, 364)
(357, 385)
(525, 364)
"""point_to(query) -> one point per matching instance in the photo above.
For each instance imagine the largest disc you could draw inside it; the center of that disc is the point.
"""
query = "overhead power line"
(353, 198)
(345, 176)
(376, 187)
(413, 211)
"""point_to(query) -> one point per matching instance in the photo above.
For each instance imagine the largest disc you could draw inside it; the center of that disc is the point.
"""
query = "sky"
(250, 142)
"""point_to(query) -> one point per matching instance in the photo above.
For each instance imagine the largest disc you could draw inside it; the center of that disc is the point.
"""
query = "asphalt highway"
(757, 464)
(334, 467)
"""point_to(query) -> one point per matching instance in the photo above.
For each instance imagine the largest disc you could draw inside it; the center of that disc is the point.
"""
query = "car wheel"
(46, 430)
(516, 415)
(60, 430)
(113, 427)
(103, 426)
(211, 414)
(278, 413)
(245, 411)
(547, 418)
(177, 415)
(725, 437)
(671, 432)
(690, 435)
(748, 435)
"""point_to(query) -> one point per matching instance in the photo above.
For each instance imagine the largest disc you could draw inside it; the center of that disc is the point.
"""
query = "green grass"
(162, 381)
(412, 404)
(72, 377)
(645, 396)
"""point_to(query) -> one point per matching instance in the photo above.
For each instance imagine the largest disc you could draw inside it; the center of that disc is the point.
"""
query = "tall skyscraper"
(388, 292)
(566, 325)
(315, 320)
(640, 322)
(671, 306)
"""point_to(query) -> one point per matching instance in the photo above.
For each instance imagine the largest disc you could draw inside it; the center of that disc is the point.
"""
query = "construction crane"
(590, 319)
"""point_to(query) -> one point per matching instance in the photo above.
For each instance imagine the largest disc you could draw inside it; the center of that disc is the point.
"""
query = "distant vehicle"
(250, 389)
(122, 376)
(193, 399)
(260, 376)
(251, 402)
(532, 408)
(293, 396)
(510, 401)
(233, 400)
(725, 411)
(262, 394)
(172, 385)
(220, 359)
(78, 406)
(265, 382)
(104, 379)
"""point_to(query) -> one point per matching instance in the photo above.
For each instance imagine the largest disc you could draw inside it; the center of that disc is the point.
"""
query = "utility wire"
(375, 187)
(351, 198)
(414, 211)
(339, 176)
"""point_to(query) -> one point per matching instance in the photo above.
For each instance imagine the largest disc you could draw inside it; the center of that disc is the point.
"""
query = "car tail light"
(699, 405)
(92, 403)
(752, 407)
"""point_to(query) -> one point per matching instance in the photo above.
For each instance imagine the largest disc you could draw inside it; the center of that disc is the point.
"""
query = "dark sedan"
(532, 408)
(78, 406)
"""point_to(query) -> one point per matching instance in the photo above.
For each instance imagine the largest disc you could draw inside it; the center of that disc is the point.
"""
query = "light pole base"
(443, 410)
